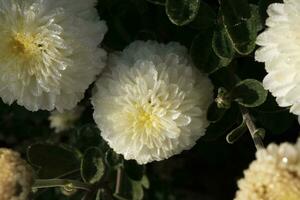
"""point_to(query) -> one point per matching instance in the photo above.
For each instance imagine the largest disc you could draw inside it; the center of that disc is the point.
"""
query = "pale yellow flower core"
(25, 45)
(144, 118)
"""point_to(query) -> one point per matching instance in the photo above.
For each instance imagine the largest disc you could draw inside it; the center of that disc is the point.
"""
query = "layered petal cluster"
(280, 50)
(274, 175)
(16, 176)
(151, 103)
(49, 52)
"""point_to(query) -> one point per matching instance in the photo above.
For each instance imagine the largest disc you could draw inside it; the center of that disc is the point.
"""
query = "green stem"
(49, 183)
(118, 181)
(252, 129)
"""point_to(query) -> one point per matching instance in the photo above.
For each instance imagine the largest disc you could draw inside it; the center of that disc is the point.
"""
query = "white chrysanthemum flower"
(48, 52)
(280, 50)
(62, 121)
(16, 176)
(274, 175)
(152, 102)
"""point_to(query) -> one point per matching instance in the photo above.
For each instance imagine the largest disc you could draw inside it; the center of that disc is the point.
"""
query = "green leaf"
(134, 170)
(249, 93)
(145, 182)
(137, 190)
(205, 19)
(241, 24)
(270, 106)
(224, 78)
(235, 11)
(53, 161)
(92, 165)
(87, 136)
(158, 2)
(113, 160)
(274, 119)
(236, 133)
(255, 15)
(203, 54)
(214, 113)
(222, 44)
(182, 12)
(221, 127)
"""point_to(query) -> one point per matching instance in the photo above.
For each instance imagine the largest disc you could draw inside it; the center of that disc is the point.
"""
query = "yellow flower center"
(144, 118)
(23, 44)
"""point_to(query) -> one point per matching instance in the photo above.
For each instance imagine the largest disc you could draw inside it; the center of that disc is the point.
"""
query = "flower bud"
(274, 175)
(16, 177)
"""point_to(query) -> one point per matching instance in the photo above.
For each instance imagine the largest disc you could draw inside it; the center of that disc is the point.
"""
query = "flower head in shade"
(274, 175)
(152, 102)
(280, 50)
(16, 176)
(62, 121)
(49, 52)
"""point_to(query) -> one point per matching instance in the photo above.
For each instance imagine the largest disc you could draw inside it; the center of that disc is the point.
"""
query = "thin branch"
(252, 129)
(49, 183)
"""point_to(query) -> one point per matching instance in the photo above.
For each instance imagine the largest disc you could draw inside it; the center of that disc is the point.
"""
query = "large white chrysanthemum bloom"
(274, 175)
(48, 52)
(152, 102)
(16, 176)
(280, 50)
